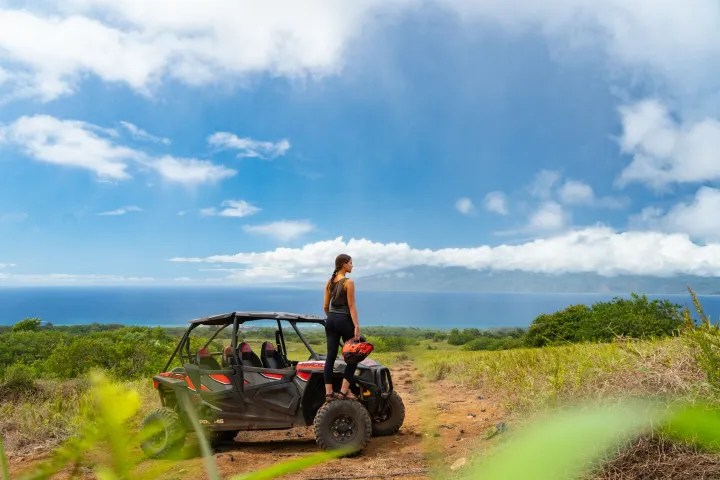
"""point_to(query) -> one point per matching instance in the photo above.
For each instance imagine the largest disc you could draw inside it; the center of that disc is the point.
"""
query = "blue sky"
(231, 142)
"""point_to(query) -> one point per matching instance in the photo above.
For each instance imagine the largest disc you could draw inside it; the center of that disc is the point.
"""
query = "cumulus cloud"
(140, 134)
(549, 216)
(666, 150)
(283, 230)
(598, 250)
(6, 265)
(697, 218)
(232, 208)
(247, 147)
(140, 43)
(496, 202)
(120, 211)
(465, 206)
(77, 144)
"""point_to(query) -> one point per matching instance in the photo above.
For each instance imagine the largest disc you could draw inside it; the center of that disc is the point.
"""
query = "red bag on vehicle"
(355, 351)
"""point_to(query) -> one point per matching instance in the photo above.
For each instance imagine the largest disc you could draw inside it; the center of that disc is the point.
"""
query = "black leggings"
(338, 325)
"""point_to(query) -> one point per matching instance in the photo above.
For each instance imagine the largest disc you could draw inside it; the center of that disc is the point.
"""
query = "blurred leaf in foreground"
(566, 444)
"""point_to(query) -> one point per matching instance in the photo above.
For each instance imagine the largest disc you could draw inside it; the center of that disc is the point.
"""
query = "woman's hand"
(357, 332)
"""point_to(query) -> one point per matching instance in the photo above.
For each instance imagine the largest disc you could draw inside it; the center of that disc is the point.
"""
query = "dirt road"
(445, 425)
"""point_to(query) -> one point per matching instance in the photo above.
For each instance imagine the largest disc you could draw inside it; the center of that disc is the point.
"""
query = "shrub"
(19, 378)
(636, 317)
(392, 343)
(27, 325)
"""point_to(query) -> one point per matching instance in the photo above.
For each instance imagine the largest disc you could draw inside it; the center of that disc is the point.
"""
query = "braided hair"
(340, 260)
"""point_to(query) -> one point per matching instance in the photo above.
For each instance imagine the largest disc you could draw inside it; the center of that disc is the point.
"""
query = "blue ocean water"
(173, 306)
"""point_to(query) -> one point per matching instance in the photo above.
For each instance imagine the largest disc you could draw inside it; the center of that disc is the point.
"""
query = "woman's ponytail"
(332, 277)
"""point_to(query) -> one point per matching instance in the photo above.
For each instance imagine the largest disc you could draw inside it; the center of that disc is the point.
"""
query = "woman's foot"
(347, 395)
(331, 396)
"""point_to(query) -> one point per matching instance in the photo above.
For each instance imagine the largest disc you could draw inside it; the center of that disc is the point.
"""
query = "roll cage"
(236, 319)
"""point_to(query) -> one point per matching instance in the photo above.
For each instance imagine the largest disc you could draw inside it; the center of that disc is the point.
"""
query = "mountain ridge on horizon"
(459, 279)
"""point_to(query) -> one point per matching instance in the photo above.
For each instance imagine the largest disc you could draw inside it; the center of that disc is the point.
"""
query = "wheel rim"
(157, 440)
(343, 428)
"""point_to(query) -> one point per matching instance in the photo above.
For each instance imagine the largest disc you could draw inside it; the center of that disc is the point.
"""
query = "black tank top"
(338, 298)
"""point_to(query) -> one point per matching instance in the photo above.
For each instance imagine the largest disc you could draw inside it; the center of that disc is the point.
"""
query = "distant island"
(458, 279)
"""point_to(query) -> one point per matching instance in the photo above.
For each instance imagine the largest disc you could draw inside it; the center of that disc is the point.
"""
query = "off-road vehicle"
(218, 377)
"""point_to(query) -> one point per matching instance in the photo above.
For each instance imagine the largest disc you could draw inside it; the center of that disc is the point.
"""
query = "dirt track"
(444, 424)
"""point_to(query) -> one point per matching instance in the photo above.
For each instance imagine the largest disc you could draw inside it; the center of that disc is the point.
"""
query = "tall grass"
(538, 377)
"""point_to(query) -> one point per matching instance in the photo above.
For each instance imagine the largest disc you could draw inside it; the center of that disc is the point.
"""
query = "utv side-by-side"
(230, 388)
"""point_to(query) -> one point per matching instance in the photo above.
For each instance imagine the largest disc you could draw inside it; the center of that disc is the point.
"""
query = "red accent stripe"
(246, 382)
(204, 388)
(220, 378)
(304, 376)
(190, 384)
(274, 376)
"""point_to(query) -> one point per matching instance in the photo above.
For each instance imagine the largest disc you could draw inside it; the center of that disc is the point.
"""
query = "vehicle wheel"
(343, 424)
(390, 421)
(165, 433)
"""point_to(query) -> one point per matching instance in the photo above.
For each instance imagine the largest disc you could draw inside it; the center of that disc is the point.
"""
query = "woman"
(342, 322)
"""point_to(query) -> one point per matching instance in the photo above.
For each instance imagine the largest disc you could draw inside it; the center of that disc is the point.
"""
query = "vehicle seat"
(248, 357)
(270, 357)
(206, 361)
(228, 359)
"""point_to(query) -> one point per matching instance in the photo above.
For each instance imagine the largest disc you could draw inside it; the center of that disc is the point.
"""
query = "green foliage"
(705, 338)
(18, 378)
(127, 352)
(489, 343)
(392, 343)
(27, 325)
(636, 317)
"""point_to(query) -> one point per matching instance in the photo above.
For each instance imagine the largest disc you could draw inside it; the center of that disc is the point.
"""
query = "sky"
(239, 142)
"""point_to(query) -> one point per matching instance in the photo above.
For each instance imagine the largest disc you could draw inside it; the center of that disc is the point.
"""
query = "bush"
(391, 344)
(636, 317)
(27, 325)
(19, 378)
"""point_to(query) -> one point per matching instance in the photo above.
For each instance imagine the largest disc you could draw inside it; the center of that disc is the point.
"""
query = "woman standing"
(342, 322)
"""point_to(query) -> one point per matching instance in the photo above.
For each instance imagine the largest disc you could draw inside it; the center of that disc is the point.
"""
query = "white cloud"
(70, 143)
(283, 230)
(83, 145)
(465, 206)
(496, 202)
(598, 250)
(6, 265)
(247, 147)
(140, 134)
(666, 150)
(140, 43)
(120, 211)
(190, 171)
(676, 44)
(549, 216)
(232, 208)
(543, 183)
(574, 192)
(699, 218)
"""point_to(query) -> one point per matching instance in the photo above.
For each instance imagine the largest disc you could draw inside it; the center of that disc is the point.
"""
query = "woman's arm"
(326, 301)
(350, 288)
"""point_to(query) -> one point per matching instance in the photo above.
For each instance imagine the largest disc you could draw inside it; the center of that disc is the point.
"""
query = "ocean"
(174, 306)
